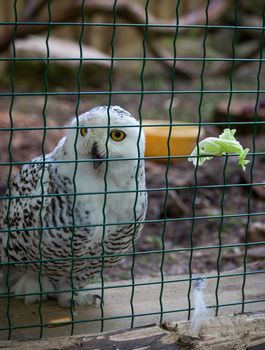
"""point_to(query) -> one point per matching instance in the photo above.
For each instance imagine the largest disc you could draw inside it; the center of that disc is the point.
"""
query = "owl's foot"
(32, 288)
(77, 298)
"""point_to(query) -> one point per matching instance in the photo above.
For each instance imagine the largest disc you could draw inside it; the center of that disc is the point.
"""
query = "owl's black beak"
(97, 158)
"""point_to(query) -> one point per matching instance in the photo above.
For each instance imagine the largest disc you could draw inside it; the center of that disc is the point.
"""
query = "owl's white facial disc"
(107, 132)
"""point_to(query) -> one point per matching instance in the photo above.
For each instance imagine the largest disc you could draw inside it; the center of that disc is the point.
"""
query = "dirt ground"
(188, 217)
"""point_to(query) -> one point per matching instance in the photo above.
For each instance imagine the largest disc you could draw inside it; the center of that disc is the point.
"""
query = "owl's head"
(106, 132)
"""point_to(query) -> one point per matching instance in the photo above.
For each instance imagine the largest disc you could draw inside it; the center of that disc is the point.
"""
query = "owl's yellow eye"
(117, 135)
(83, 131)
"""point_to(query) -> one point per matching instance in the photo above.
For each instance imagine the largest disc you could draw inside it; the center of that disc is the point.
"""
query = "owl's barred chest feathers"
(83, 219)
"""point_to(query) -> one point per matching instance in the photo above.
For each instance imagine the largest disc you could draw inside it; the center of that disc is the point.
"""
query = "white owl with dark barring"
(65, 210)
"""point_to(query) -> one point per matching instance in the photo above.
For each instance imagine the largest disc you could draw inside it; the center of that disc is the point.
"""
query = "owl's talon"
(80, 298)
(30, 287)
(98, 299)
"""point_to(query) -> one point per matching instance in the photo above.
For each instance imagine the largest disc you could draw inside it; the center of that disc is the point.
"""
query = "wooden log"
(237, 332)
(154, 338)
(61, 72)
(240, 110)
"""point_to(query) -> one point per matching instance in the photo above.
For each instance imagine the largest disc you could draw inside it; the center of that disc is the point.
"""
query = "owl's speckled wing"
(26, 206)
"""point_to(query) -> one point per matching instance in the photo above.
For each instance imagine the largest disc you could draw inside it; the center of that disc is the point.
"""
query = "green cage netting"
(197, 69)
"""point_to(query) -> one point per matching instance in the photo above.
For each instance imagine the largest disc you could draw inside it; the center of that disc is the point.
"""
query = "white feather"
(200, 312)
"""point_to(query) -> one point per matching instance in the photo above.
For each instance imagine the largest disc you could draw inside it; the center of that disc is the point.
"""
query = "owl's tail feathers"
(27, 285)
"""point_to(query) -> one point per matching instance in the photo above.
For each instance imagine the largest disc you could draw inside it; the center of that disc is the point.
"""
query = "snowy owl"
(75, 211)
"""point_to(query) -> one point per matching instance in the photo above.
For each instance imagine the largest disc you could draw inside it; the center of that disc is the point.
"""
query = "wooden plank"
(237, 332)
(153, 338)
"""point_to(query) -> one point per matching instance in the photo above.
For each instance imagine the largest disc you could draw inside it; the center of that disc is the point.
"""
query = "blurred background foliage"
(130, 41)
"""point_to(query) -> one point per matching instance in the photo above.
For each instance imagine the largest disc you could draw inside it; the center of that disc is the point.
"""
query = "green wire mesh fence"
(200, 221)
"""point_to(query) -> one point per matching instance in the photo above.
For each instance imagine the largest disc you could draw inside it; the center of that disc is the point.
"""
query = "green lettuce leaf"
(219, 146)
